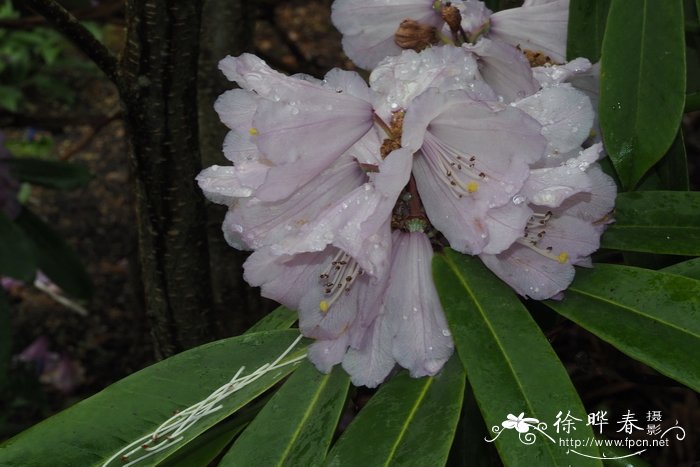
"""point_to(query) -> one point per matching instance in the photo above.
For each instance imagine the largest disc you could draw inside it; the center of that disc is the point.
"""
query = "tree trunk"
(159, 69)
(227, 30)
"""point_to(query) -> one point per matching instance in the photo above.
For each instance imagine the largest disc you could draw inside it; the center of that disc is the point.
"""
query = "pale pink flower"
(472, 159)
(323, 118)
(539, 26)
(369, 26)
(571, 204)
(400, 321)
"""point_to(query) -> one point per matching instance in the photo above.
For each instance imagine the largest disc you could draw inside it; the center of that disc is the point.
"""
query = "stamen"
(459, 172)
(535, 233)
(253, 132)
(338, 278)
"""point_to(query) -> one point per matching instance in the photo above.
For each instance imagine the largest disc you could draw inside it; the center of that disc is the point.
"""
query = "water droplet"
(518, 199)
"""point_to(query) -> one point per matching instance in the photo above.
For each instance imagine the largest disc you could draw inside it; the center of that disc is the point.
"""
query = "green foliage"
(656, 222)
(29, 61)
(50, 174)
(642, 77)
(408, 422)
(94, 430)
(54, 257)
(17, 254)
(651, 316)
(503, 355)
(491, 329)
(296, 426)
(587, 20)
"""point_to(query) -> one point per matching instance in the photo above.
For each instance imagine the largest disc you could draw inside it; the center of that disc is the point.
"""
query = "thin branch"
(70, 27)
(48, 122)
(95, 13)
(91, 133)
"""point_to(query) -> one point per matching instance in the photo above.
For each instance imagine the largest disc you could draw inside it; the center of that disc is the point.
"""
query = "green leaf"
(54, 257)
(51, 174)
(510, 365)
(656, 222)
(10, 97)
(279, 318)
(94, 430)
(295, 428)
(586, 28)
(17, 257)
(642, 78)
(208, 446)
(690, 268)
(469, 448)
(652, 316)
(671, 172)
(408, 422)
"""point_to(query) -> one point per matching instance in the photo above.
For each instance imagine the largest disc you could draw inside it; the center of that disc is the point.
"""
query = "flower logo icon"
(520, 423)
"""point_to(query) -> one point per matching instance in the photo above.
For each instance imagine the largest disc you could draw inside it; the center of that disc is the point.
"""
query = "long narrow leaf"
(671, 172)
(408, 422)
(48, 173)
(690, 268)
(511, 367)
(54, 257)
(652, 316)
(656, 222)
(279, 318)
(295, 428)
(97, 429)
(642, 78)
(17, 256)
(586, 28)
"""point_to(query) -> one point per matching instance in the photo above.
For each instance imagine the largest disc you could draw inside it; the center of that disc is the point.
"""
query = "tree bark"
(159, 70)
(226, 30)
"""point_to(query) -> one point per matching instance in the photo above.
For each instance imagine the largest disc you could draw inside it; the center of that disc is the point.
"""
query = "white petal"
(540, 27)
(421, 342)
(566, 116)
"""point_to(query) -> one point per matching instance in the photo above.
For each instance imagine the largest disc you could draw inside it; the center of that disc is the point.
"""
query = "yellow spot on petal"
(563, 257)
(472, 187)
(253, 131)
(323, 306)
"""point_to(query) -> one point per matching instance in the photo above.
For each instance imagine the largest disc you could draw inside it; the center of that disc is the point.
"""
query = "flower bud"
(452, 17)
(413, 35)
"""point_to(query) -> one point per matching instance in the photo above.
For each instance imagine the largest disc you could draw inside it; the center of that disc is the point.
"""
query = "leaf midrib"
(634, 311)
(498, 342)
(302, 421)
(409, 419)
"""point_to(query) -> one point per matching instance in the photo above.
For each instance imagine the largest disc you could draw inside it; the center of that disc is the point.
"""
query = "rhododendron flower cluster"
(343, 189)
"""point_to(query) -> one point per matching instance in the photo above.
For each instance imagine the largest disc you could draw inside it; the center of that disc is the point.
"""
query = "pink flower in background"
(54, 369)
